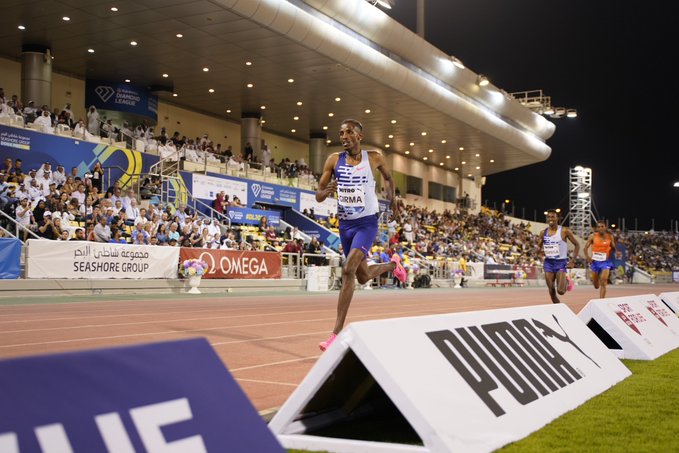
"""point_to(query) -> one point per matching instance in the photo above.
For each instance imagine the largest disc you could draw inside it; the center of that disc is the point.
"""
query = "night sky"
(610, 60)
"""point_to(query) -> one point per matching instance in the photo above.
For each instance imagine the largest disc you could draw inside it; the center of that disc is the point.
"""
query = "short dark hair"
(356, 123)
(553, 211)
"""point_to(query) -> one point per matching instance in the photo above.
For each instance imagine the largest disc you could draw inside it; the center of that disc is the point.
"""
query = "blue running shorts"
(598, 266)
(555, 265)
(358, 234)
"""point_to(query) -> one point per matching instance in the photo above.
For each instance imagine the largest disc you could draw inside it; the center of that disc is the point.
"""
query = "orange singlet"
(601, 247)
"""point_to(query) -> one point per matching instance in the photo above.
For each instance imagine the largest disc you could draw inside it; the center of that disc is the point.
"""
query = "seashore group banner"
(86, 260)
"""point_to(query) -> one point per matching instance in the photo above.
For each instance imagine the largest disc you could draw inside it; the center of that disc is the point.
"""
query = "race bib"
(551, 250)
(599, 256)
(351, 196)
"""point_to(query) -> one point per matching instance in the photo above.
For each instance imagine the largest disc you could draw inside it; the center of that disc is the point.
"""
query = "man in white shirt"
(79, 194)
(43, 123)
(59, 176)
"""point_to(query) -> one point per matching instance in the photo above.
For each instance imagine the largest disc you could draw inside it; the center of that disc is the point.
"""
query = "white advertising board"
(469, 382)
(671, 300)
(207, 187)
(642, 326)
(81, 259)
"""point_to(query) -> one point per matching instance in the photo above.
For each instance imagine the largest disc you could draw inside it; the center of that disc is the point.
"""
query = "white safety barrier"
(469, 382)
(671, 300)
(318, 278)
(634, 327)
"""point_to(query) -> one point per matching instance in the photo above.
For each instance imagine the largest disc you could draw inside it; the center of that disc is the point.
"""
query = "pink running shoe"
(326, 344)
(571, 283)
(399, 271)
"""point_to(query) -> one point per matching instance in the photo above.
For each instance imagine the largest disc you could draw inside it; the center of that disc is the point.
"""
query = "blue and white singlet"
(356, 197)
(554, 246)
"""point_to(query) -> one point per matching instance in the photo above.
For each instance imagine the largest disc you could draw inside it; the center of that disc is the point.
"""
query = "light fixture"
(114, 9)
(166, 75)
(425, 158)
(387, 145)
(331, 114)
(295, 118)
(456, 61)
(386, 4)
(407, 152)
(337, 99)
(482, 80)
(127, 80)
(65, 18)
(541, 104)
(390, 135)
(676, 184)
(211, 90)
(21, 27)
(174, 95)
(367, 110)
(179, 35)
(90, 50)
(325, 128)
(393, 121)
(248, 63)
(291, 80)
(444, 141)
(250, 85)
(263, 107)
(133, 43)
(206, 69)
(293, 130)
(299, 102)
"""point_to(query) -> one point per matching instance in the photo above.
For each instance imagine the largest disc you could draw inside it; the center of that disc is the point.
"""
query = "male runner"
(599, 260)
(555, 248)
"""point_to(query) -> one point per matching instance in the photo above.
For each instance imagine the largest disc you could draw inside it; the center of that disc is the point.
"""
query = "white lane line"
(282, 362)
(259, 381)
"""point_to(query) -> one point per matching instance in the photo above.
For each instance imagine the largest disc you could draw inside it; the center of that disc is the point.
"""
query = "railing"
(18, 227)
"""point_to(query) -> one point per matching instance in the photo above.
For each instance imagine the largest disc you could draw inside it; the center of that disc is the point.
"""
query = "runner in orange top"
(602, 244)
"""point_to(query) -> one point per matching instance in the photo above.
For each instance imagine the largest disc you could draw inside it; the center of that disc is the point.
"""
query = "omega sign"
(236, 264)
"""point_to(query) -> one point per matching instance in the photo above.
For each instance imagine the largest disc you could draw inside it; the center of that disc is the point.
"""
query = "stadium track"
(267, 340)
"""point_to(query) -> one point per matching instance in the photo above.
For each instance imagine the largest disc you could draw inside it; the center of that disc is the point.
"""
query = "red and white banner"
(82, 259)
(236, 263)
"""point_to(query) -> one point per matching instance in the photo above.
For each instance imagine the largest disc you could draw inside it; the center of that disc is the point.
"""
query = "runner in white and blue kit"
(553, 244)
(358, 211)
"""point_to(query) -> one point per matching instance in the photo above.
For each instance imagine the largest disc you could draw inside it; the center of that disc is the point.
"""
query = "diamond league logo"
(104, 92)
(232, 214)
(256, 189)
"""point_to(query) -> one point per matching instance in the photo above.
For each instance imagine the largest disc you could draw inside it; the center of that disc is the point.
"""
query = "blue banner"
(121, 97)
(248, 216)
(10, 258)
(36, 148)
(172, 396)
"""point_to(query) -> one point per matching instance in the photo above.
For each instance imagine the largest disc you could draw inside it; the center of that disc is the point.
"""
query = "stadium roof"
(346, 50)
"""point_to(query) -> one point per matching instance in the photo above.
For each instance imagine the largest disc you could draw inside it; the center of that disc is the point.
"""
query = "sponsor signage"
(121, 97)
(207, 187)
(81, 259)
(469, 382)
(274, 194)
(71, 153)
(671, 300)
(236, 263)
(15, 138)
(247, 216)
(635, 327)
(164, 397)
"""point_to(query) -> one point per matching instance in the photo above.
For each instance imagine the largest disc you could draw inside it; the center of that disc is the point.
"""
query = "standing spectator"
(97, 176)
(93, 121)
(248, 152)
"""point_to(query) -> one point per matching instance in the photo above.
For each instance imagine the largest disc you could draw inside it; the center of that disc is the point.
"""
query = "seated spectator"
(139, 237)
(270, 234)
(117, 237)
(79, 235)
(102, 232)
